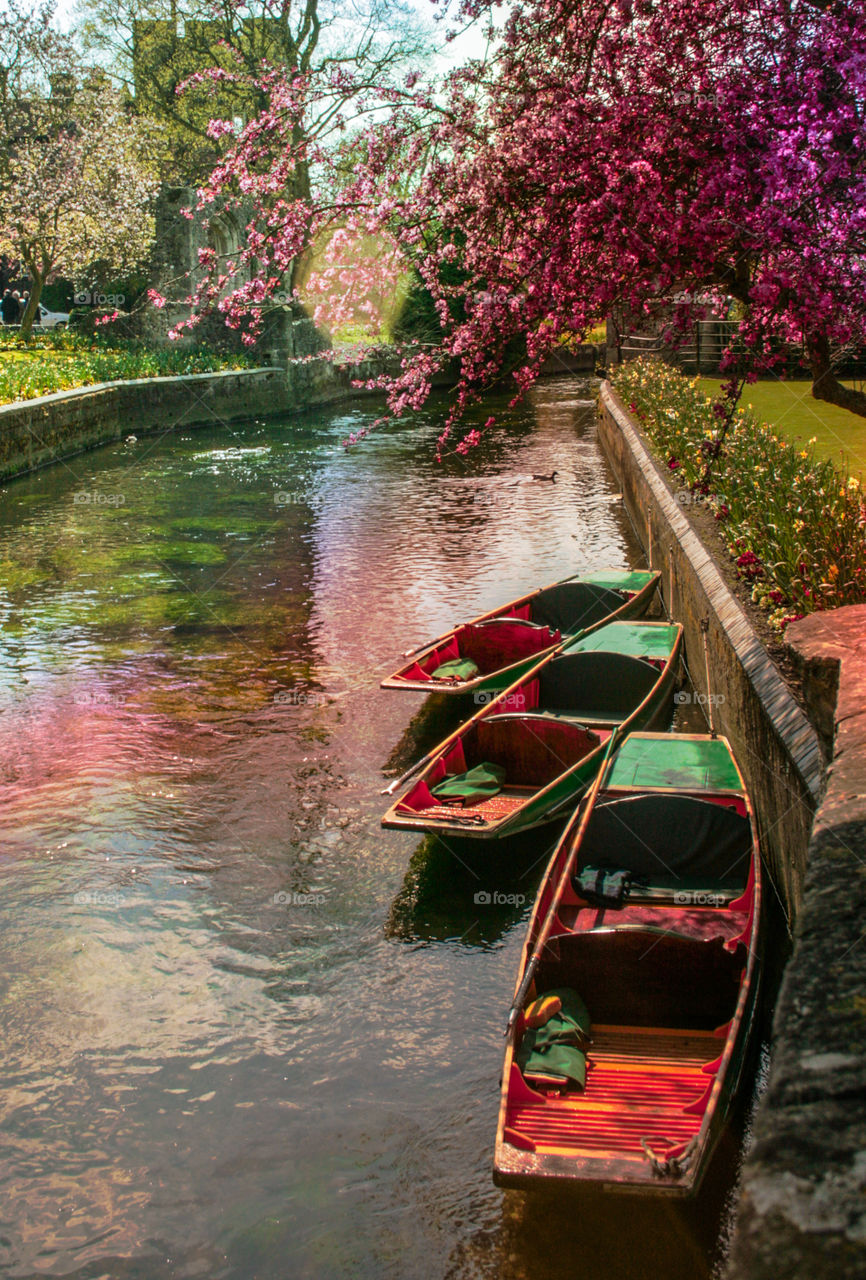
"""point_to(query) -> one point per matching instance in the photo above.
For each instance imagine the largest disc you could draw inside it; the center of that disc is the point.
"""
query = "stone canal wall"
(803, 1203)
(802, 1207)
(36, 433)
(776, 746)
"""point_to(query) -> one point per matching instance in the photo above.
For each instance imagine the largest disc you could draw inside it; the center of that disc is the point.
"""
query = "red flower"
(750, 565)
(674, 464)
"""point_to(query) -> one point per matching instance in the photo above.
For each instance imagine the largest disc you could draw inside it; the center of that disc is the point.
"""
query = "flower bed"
(49, 365)
(795, 526)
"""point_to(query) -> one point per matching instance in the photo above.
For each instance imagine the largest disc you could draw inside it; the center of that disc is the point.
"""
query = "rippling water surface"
(247, 1033)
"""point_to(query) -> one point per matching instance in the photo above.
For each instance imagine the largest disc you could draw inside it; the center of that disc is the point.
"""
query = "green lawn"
(840, 435)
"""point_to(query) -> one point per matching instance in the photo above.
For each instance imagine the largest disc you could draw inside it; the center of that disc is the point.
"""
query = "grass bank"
(69, 361)
(791, 408)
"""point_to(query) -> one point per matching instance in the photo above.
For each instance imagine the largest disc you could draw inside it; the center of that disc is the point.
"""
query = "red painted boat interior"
(533, 751)
(490, 645)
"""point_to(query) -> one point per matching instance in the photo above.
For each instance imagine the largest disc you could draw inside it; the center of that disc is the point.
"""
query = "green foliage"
(162, 59)
(418, 320)
(57, 296)
(794, 524)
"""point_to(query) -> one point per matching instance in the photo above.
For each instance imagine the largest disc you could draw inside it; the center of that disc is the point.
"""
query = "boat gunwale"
(469, 686)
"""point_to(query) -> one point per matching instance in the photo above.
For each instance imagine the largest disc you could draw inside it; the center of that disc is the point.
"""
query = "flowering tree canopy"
(608, 153)
(74, 180)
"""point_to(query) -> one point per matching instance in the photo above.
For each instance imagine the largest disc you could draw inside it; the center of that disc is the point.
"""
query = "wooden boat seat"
(498, 642)
(700, 923)
(533, 750)
(511, 621)
(644, 976)
(596, 685)
(558, 715)
(571, 607)
(642, 1083)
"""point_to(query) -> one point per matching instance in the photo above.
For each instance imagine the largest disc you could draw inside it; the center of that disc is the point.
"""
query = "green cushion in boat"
(456, 669)
(484, 780)
(551, 1052)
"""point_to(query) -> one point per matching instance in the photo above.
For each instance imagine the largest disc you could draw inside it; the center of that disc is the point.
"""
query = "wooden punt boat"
(667, 982)
(546, 734)
(493, 650)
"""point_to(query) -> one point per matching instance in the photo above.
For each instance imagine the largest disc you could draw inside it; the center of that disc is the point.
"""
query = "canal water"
(248, 1034)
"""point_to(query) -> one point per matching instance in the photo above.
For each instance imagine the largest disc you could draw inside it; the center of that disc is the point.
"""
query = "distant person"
(8, 308)
(17, 296)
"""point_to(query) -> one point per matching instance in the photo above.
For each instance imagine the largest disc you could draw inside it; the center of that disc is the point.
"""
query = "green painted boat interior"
(595, 687)
(635, 580)
(570, 607)
(670, 843)
(639, 639)
(674, 761)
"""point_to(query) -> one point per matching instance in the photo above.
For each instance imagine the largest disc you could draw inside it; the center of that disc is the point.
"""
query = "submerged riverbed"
(248, 1034)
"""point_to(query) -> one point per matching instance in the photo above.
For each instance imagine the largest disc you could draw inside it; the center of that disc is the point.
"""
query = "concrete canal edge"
(802, 1206)
(36, 433)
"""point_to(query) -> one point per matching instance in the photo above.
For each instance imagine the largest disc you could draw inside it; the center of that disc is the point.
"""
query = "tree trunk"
(825, 384)
(37, 280)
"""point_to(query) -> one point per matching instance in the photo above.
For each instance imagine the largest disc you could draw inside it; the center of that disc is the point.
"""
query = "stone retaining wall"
(777, 748)
(802, 1208)
(35, 433)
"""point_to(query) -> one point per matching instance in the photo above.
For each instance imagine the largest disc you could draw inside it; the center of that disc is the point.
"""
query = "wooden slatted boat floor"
(639, 1082)
(490, 808)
